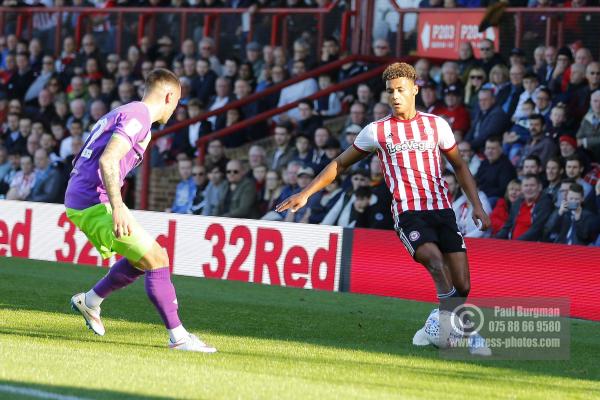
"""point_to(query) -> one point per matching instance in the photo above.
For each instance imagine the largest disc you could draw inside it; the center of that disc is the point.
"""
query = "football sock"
(121, 274)
(161, 293)
(450, 300)
(177, 333)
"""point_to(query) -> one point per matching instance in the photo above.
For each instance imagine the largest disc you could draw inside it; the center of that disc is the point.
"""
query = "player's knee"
(435, 266)
(463, 288)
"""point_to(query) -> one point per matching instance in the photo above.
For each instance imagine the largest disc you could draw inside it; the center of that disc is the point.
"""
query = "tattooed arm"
(116, 149)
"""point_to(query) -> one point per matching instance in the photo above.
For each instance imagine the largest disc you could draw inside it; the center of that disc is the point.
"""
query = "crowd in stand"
(528, 127)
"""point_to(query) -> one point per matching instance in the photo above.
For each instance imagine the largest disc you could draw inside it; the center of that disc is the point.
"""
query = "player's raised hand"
(481, 219)
(122, 221)
(293, 203)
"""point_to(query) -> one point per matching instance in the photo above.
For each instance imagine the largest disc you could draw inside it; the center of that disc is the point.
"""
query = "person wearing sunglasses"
(476, 78)
(240, 199)
(488, 56)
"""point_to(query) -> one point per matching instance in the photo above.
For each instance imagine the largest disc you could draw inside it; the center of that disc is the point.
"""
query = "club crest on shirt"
(133, 127)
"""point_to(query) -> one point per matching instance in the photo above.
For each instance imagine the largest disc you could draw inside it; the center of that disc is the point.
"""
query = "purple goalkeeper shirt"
(132, 123)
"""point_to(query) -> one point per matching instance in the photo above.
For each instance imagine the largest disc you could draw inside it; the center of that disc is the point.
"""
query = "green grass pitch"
(274, 343)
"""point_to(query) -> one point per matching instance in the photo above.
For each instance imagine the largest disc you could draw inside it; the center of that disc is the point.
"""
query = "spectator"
(539, 62)
(215, 155)
(215, 191)
(271, 192)
(240, 199)
(545, 75)
(253, 56)
(203, 85)
(340, 212)
(185, 190)
(308, 121)
(256, 156)
(332, 149)
(530, 86)
(579, 103)
(222, 97)
(5, 164)
(560, 75)
(476, 78)
(501, 211)
(76, 145)
(588, 135)
(319, 161)
(450, 77)
(508, 98)
(330, 50)
(327, 106)
(489, 58)
(469, 157)
(284, 150)
(303, 151)
(378, 211)
(495, 171)
(290, 179)
(200, 181)
(207, 51)
(14, 140)
(296, 91)
(358, 115)
(429, 101)
(539, 144)
(322, 202)
(23, 77)
(41, 79)
(380, 111)
(14, 159)
(466, 60)
(558, 123)
(499, 79)
(574, 170)
(571, 223)
(423, 70)
(516, 138)
(568, 147)
(349, 135)
(48, 186)
(304, 176)
(529, 213)
(22, 181)
(553, 171)
(489, 121)
(532, 166)
(48, 143)
(517, 57)
(455, 112)
(543, 103)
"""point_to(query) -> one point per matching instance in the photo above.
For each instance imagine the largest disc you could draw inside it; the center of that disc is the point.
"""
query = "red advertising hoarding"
(440, 34)
(499, 268)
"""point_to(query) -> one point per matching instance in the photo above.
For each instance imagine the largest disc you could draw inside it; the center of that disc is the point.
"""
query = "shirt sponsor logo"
(409, 145)
(133, 127)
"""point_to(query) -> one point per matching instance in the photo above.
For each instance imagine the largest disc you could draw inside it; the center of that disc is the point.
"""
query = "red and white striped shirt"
(409, 152)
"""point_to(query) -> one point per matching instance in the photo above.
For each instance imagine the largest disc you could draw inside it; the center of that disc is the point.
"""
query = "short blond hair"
(399, 70)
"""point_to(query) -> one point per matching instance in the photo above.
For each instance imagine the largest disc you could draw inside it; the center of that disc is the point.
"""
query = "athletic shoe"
(478, 346)
(192, 343)
(421, 338)
(91, 315)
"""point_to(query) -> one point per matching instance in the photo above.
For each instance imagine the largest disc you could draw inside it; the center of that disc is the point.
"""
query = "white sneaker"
(421, 338)
(478, 346)
(192, 343)
(91, 315)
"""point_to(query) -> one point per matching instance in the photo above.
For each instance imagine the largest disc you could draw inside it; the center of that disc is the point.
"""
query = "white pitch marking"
(41, 394)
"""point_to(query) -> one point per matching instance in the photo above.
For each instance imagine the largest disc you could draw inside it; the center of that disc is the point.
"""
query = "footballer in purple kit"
(93, 200)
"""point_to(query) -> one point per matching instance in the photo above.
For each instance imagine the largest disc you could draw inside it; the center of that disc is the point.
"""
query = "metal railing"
(203, 141)
(145, 19)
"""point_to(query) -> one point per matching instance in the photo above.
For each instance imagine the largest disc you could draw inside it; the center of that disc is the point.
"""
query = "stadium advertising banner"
(499, 268)
(440, 34)
(275, 253)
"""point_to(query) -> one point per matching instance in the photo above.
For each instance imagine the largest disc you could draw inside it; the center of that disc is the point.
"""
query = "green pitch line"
(274, 343)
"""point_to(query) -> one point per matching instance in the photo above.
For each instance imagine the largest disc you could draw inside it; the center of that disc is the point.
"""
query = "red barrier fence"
(381, 266)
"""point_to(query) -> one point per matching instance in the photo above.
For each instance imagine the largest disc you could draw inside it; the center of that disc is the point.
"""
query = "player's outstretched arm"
(115, 150)
(466, 181)
(328, 175)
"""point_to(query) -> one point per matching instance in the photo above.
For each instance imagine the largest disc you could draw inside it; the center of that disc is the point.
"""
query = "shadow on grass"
(26, 390)
(337, 321)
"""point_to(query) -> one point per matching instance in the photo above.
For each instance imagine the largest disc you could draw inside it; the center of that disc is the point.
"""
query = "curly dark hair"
(399, 70)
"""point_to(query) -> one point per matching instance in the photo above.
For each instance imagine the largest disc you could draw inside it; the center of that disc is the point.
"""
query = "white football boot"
(192, 343)
(423, 336)
(478, 346)
(91, 315)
